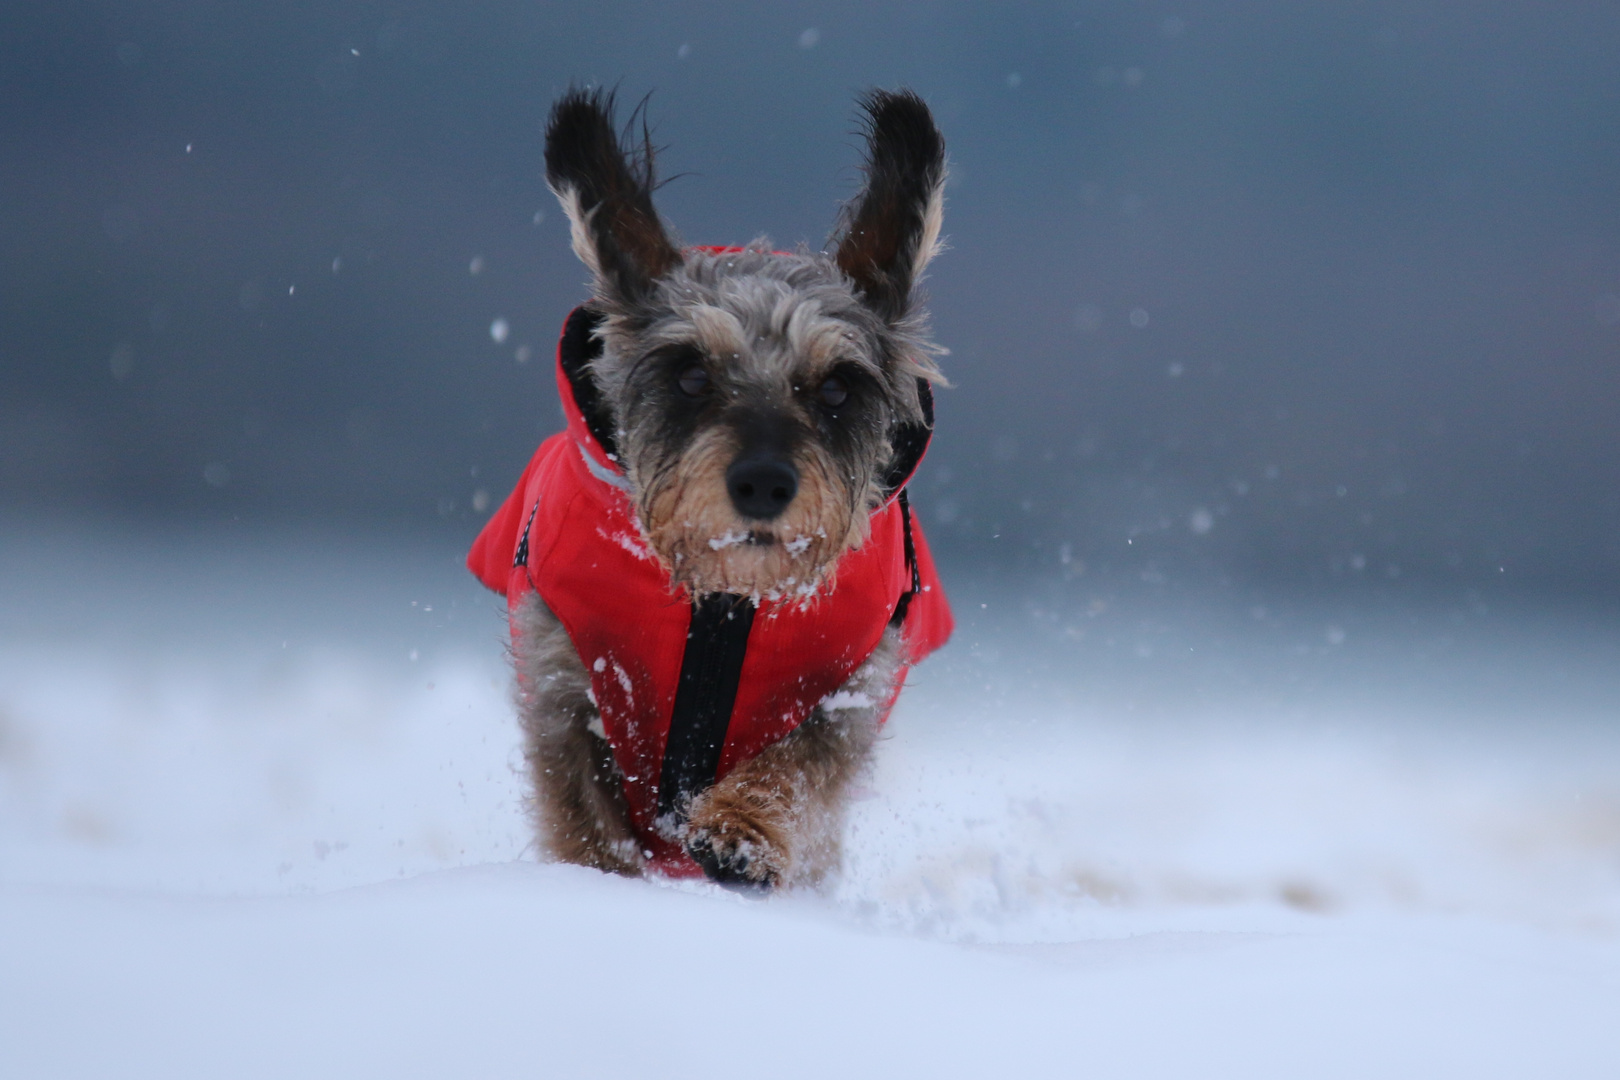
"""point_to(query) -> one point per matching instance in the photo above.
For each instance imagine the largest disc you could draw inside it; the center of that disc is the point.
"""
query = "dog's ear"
(886, 236)
(606, 191)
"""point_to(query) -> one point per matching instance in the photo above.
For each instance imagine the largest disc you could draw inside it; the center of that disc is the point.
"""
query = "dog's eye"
(833, 392)
(694, 381)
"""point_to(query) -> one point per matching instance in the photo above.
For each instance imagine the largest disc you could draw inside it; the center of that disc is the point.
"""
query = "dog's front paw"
(738, 834)
(733, 866)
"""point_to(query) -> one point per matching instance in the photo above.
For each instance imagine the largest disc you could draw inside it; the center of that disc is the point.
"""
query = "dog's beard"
(708, 547)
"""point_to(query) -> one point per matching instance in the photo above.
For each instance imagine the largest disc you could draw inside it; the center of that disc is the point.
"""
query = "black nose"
(761, 487)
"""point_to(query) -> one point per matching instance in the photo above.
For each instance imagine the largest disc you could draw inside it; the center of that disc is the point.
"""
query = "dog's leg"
(778, 818)
(578, 802)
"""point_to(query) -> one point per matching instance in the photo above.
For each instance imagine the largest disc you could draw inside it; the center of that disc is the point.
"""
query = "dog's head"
(755, 396)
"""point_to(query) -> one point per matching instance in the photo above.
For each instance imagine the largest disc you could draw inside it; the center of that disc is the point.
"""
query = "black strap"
(711, 668)
(899, 616)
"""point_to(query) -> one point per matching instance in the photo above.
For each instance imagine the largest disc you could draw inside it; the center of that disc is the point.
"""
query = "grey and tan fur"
(752, 396)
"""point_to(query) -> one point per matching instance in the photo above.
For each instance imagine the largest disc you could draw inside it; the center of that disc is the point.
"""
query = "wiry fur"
(607, 194)
(578, 802)
(773, 327)
(767, 331)
(888, 235)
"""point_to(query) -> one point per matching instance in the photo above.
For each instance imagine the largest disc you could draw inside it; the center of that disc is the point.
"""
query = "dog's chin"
(751, 560)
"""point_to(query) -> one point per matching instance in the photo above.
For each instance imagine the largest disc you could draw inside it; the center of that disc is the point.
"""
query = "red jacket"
(569, 531)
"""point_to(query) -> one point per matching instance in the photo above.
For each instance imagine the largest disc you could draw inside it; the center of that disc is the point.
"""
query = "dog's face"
(755, 396)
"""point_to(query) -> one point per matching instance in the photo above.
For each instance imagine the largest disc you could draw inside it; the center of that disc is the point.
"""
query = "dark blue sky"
(1236, 291)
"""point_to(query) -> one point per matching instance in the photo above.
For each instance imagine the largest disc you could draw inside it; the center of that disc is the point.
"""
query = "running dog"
(714, 579)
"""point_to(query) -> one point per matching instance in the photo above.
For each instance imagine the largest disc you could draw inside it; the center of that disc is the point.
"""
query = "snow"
(629, 543)
(1112, 833)
(730, 538)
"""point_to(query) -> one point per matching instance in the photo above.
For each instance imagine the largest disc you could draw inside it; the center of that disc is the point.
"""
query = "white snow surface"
(260, 815)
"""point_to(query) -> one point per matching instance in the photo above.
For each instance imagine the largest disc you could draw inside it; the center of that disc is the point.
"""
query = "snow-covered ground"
(259, 816)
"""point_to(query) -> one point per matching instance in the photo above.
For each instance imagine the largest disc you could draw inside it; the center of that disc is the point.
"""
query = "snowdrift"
(259, 816)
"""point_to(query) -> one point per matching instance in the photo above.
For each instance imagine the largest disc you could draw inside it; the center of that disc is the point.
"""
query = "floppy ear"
(607, 194)
(886, 236)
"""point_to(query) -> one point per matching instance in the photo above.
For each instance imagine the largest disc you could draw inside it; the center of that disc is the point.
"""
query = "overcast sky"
(1240, 291)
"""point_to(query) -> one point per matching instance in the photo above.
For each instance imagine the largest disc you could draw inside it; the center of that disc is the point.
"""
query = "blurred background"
(1277, 492)
(1248, 293)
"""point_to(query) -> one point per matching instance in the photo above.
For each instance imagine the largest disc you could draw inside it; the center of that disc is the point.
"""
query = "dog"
(714, 581)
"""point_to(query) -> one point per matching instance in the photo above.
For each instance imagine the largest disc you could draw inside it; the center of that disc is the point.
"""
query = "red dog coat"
(687, 689)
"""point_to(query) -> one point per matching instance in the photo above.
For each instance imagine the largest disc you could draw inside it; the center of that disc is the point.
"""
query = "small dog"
(715, 583)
